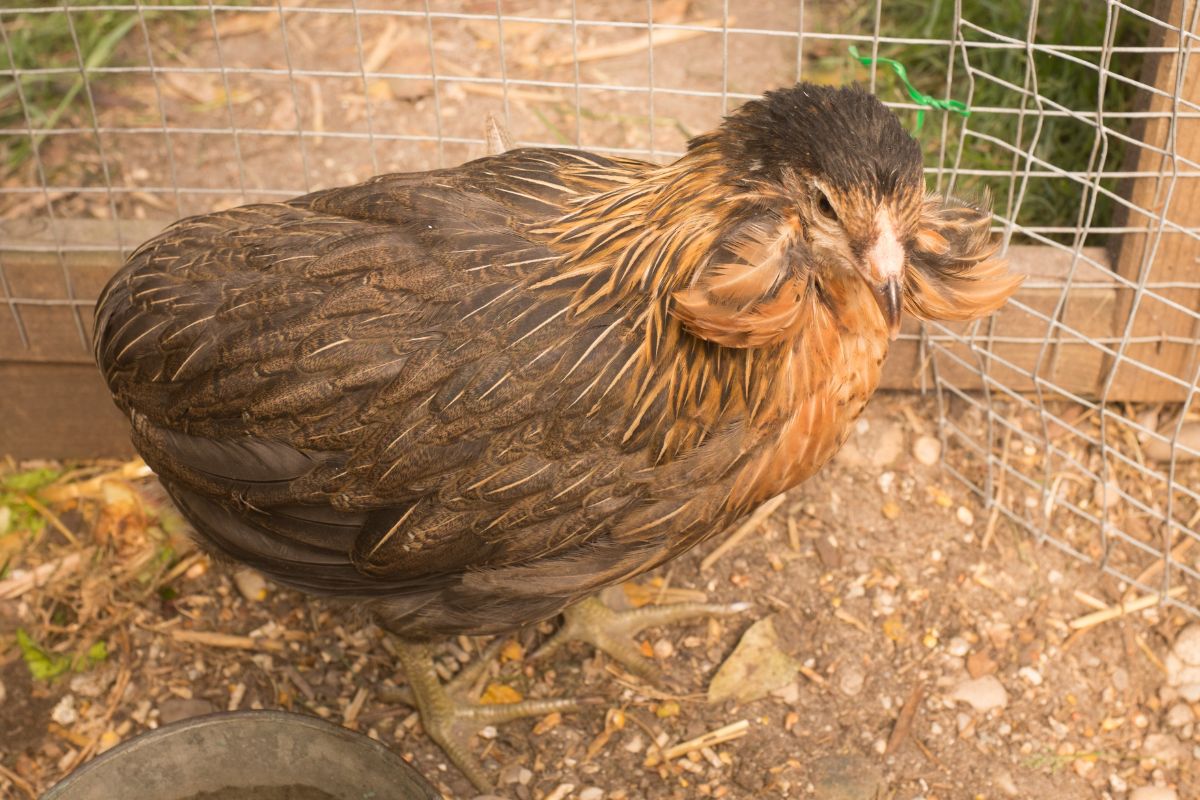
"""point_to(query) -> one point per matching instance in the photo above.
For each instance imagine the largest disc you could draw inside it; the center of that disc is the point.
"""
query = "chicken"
(470, 398)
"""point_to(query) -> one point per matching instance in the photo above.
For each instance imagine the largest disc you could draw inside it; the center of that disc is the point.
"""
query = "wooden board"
(59, 411)
(1173, 335)
(1020, 343)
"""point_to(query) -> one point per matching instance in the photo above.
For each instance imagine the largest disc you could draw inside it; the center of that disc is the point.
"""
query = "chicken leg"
(612, 632)
(448, 714)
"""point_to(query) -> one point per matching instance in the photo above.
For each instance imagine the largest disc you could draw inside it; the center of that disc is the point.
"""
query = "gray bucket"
(251, 754)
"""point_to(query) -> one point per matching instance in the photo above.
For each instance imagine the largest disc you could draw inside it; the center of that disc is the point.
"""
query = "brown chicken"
(470, 398)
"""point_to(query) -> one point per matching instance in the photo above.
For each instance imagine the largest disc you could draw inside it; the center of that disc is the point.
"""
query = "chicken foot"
(449, 715)
(612, 632)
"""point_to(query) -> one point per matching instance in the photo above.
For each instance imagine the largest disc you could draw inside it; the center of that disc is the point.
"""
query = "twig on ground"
(656, 38)
(1123, 608)
(19, 782)
(905, 721)
(225, 640)
(726, 733)
(50, 517)
(749, 526)
(42, 575)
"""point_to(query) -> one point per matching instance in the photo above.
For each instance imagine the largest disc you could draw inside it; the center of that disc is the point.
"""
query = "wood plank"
(1172, 334)
(43, 321)
(59, 411)
(1022, 341)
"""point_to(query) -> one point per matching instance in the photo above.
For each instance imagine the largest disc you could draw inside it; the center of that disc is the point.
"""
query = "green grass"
(48, 40)
(1063, 142)
(37, 41)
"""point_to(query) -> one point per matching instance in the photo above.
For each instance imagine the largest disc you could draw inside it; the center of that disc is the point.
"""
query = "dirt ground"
(875, 575)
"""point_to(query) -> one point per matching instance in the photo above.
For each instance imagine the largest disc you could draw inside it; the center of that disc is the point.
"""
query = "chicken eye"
(826, 208)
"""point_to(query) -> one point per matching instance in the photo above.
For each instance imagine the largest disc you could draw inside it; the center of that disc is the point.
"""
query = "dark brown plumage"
(470, 397)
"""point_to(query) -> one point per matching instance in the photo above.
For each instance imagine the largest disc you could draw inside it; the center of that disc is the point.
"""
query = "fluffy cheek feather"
(755, 324)
(953, 274)
(752, 295)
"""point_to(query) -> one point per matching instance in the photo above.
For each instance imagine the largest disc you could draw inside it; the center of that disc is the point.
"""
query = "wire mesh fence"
(1072, 414)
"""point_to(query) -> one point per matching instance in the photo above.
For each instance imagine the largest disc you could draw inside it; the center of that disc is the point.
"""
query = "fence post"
(1168, 336)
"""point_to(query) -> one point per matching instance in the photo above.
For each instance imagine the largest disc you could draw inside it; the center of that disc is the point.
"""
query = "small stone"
(846, 778)
(488, 732)
(927, 450)
(789, 694)
(1164, 748)
(999, 634)
(1106, 494)
(250, 585)
(93, 683)
(958, 647)
(850, 680)
(174, 709)
(108, 740)
(886, 481)
(887, 445)
(591, 793)
(1180, 715)
(1117, 783)
(667, 710)
(1190, 692)
(851, 455)
(1154, 793)
(1060, 730)
(663, 649)
(634, 744)
(64, 712)
(1030, 676)
(980, 663)
(891, 510)
(1005, 783)
(1179, 672)
(1187, 645)
(965, 516)
(982, 694)
(1083, 766)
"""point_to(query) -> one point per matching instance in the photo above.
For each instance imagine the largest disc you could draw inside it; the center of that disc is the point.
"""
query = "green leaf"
(95, 654)
(30, 481)
(42, 665)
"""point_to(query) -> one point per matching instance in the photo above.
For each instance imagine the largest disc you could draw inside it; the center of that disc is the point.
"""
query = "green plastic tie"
(916, 94)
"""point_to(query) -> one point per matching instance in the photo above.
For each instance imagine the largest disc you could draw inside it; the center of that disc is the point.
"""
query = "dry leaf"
(498, 693)
(547, 723)
(512, 651)
(755, 668)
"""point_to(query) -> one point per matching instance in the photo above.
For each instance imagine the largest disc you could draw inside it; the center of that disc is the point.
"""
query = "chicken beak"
(885, 272)
(887, 295)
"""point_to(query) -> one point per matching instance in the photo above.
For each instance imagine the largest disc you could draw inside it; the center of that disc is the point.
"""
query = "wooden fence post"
(1166, 338)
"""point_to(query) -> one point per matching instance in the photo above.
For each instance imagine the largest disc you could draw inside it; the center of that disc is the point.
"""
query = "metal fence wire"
(1071, 414)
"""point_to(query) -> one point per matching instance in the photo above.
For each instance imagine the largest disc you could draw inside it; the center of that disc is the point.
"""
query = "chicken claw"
(450, 716)
(612, 632)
